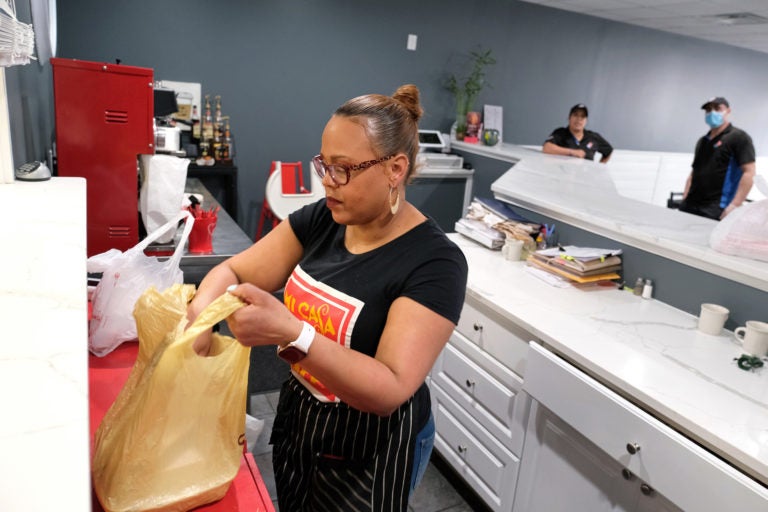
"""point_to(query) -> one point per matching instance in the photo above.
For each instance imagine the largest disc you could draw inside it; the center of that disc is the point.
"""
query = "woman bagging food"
(372, 290)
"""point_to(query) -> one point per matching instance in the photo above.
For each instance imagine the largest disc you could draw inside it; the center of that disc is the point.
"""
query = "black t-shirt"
(590, 143)
(717, 167)
(347, 297)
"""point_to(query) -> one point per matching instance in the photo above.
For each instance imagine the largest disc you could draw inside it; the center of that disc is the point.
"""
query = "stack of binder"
(579, 264)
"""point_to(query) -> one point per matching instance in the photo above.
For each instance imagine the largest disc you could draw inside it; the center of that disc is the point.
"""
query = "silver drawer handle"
(470, 383)
(646, 489)
(478, 327)
(633, 448)
(461, 448)
(627, 474)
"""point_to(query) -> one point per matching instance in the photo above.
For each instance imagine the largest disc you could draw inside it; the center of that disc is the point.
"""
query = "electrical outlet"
(412, 38)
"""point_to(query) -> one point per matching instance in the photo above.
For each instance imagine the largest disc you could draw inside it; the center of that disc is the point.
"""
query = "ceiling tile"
(683, 17)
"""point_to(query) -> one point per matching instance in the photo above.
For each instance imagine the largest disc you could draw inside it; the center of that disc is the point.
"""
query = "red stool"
(292, 179)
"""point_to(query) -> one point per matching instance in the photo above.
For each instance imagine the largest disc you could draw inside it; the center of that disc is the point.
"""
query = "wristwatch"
(297, 350)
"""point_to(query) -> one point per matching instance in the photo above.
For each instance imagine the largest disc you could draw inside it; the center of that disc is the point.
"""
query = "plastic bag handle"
(165, 227)
(179, 252)
(213, 313)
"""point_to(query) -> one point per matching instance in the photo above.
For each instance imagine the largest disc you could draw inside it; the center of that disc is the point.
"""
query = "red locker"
(104, 120)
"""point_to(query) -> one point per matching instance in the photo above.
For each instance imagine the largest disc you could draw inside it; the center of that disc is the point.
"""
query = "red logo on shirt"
(332, 313)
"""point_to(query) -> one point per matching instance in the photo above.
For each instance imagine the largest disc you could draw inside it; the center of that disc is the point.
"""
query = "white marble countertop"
(573, 192)
(577, 192)
(44, 437)
(646, 350)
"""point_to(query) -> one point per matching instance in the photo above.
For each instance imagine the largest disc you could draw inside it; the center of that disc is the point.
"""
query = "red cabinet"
(104, 120)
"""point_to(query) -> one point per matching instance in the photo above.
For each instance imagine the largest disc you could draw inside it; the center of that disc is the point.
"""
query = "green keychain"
(748, 362)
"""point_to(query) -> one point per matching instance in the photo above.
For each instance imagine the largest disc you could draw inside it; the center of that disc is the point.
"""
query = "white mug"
(513, 249)
(753, 338)
(712, 319)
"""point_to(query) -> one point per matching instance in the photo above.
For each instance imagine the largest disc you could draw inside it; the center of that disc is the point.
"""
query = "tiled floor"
(435, 494)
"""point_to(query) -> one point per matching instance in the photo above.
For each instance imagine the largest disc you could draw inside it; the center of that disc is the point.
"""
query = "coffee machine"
(167, 135)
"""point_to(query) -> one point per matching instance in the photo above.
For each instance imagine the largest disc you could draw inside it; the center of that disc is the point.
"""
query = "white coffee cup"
(513, 249)
(753, 338)
(712, 319)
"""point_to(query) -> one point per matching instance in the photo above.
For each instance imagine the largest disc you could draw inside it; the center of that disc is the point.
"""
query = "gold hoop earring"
(396, 206)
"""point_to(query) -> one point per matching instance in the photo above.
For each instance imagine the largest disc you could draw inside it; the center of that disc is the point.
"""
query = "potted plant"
(466, 89)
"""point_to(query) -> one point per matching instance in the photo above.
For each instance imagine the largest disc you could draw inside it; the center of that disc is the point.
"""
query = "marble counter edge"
(746, 271)
(604, 372)
(44, 295)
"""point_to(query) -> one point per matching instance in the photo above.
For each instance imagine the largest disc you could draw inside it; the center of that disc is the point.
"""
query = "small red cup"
(201, 236)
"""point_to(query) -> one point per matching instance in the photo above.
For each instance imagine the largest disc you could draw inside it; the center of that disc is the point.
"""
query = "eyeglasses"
(340, 173)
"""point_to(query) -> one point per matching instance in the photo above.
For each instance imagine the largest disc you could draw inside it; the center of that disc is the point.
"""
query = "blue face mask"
(714, 119)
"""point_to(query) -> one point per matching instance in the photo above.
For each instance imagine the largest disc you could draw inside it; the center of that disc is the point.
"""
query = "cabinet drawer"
(495, 335)
(487, 466)
(481, 386)
(685, 473)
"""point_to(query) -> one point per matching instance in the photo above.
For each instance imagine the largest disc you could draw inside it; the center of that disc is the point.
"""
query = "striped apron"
(331, 457)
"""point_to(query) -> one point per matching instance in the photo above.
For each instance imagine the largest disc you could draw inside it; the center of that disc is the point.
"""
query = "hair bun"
(408, 96)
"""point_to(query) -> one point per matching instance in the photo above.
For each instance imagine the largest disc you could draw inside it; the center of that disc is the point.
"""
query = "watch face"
(291, 354)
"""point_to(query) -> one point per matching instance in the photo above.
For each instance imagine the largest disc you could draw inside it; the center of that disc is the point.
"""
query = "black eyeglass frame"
(322, 168)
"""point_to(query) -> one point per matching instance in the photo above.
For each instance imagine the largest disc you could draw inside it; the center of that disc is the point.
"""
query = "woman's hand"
(264, 320)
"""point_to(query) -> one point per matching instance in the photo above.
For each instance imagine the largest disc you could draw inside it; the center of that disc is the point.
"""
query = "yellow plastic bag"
(173, 439)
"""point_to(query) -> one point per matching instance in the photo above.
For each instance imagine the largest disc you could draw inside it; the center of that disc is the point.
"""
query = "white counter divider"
(576, 192)
(44, 434)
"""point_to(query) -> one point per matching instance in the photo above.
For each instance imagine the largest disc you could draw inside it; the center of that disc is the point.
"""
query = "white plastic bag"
(162, 190)
(744, 231)
(126, 275)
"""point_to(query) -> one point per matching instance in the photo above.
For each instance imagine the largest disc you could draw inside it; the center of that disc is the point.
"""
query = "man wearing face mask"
(723, 166)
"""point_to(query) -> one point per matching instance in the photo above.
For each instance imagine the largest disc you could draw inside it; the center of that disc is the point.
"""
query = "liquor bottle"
(207, 135)
(195, 125)
(218, 131)
(226, 147)
(217, 119)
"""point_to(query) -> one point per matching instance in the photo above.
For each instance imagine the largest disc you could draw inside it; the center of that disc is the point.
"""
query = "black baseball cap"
(717, 100)
(577, 107)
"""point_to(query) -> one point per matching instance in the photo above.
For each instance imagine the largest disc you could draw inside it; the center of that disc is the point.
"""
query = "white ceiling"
(742, 23)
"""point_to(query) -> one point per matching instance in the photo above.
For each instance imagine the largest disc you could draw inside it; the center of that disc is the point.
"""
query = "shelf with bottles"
(212, 135)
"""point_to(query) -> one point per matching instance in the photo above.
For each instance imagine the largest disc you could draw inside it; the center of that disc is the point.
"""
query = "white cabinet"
(563, 472)
(612, 454)
(479, 414)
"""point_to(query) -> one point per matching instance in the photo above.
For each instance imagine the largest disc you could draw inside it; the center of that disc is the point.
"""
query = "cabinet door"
(484, 388)
(561, 470)
(494, 334)
(682, 471)
(487, 466)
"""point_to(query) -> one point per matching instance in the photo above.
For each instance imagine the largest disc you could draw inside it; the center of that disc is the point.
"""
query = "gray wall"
(282, 67)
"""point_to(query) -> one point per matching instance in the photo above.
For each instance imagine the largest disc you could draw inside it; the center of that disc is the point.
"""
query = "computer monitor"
(432, 139)
(165, 102)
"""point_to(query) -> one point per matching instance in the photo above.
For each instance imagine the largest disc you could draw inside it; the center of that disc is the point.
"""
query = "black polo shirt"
(717, 166)
(590, 143)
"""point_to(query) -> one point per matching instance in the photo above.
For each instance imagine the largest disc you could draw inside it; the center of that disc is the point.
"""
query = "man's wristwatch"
(297, 350)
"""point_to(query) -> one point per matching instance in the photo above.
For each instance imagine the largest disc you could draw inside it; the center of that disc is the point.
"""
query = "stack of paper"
(490, 222)
(480, 232)
(579, 264)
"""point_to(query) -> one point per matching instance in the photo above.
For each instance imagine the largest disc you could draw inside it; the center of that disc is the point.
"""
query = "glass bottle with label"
(227, 149)
(195, 125)
(207, 135)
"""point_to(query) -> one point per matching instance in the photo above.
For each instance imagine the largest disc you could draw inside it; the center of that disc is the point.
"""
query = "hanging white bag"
(126, 275)
(162, 190)
(744, 231)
